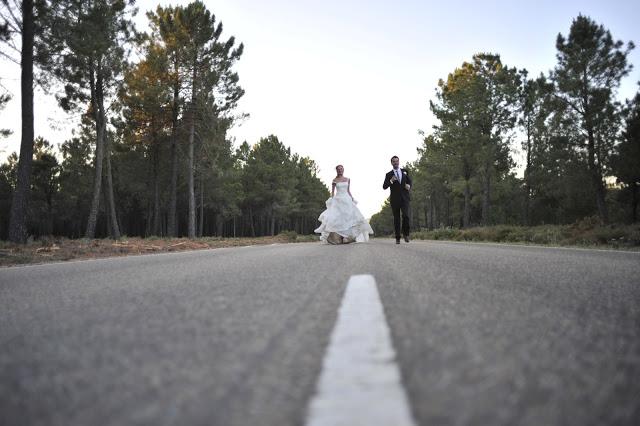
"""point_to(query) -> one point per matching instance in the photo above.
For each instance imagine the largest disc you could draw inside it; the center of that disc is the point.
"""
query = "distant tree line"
(250, 191)
(151, 155)
(581, 146)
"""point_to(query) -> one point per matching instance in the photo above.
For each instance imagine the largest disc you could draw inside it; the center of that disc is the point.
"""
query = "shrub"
(588, 231)
(289, 235)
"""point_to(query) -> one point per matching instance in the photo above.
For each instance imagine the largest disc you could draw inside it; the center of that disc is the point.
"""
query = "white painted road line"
(360, 382)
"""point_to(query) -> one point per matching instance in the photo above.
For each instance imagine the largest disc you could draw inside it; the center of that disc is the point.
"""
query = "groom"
(400, 182)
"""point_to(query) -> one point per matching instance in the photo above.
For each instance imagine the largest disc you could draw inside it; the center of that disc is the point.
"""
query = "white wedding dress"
(343, 217)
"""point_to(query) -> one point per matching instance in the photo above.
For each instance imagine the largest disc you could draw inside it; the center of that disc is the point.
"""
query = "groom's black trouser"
(405, 208)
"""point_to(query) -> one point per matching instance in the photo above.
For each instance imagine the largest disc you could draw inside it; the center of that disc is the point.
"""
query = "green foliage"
(626, 159)
(590, 67)
(173, 107)
(44, 187)
(4, 99)
(164, 121)
(289, 235)
(74, 183)
(464, 175)
(7, 185)
(62, 191)
(190, 41)
(93, 38)
(382, 222)
(476, 107)
(281, 187)
(581, 233)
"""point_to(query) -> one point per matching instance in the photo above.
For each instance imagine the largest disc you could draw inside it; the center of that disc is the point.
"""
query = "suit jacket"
(399, 194)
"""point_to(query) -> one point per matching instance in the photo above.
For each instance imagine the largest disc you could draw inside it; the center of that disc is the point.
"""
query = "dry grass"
(585, 233)
(60, 249)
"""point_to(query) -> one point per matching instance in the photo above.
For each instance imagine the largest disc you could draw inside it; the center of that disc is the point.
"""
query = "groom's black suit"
(400, 200)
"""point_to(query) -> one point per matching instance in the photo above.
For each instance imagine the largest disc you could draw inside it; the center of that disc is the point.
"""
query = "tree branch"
(10, 24)
(16, 21)
(15, 61)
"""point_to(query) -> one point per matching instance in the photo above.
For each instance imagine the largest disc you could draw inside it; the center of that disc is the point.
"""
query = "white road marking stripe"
(360, 382)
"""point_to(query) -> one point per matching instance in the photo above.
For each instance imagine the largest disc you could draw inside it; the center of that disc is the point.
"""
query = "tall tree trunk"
(466, 216)
(272, 223)
(596, 176)
(191, 231)
(172, 230)
(486, 195)
(115, 228)
(156, 188)
(148, 224)
(437, 210)
(527, 182)
(77, 225)
(97, 100)
(426, 215)
(201, 218)
(50, 210)
(253, 227)
(447, 209)
(262, 229)
(20, 201)
(192, 132)
(219, 225)
(466, 174)
(601, 197)
(634, 202)
(429, 215)
(107, 212)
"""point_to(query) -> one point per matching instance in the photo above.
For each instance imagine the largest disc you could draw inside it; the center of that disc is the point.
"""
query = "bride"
(342, 221)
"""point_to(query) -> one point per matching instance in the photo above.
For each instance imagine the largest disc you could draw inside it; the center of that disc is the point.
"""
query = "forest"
(152, 156)
(580, 145)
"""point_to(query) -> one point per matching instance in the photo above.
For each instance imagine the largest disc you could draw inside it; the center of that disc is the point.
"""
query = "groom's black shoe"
(406, 238)
(397, 240)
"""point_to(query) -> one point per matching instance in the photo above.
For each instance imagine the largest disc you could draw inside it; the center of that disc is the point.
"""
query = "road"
(483, 334)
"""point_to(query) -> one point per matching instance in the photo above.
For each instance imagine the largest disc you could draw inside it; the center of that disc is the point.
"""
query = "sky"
(349, 82)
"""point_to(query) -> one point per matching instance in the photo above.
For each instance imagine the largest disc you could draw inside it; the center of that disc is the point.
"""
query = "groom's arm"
(387, 182)
(408, 180)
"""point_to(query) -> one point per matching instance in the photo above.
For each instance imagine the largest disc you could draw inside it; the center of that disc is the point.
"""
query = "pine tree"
(95, 35)
(590, 67)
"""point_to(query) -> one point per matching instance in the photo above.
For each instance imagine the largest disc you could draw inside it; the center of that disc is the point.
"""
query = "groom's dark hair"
(395, 156)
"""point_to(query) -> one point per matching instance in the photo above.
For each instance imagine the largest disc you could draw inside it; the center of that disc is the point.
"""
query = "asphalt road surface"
(483, 334)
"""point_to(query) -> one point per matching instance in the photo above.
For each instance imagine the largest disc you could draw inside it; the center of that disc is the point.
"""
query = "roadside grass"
(54, 249)
(585, 233)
